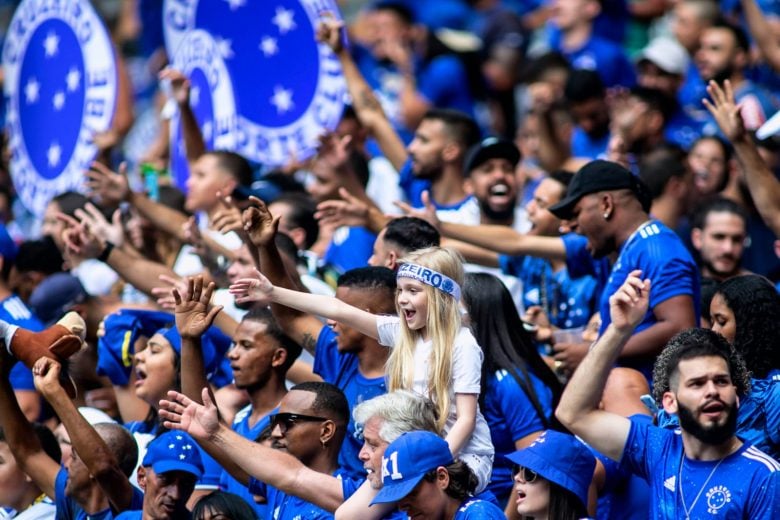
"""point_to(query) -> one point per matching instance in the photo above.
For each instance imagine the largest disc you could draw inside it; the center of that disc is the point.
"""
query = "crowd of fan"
(528, 275)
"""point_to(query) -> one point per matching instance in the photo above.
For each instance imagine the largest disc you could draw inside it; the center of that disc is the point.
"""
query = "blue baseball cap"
(174, 451)
(407, 460)
(8, 248)
(559, 458)
(214, 344)
(122, 329)
(55, 296)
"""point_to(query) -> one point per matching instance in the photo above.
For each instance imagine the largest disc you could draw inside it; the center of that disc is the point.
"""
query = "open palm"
(193, 315)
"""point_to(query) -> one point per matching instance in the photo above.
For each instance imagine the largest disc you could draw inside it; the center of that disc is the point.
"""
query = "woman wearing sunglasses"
(552, 477)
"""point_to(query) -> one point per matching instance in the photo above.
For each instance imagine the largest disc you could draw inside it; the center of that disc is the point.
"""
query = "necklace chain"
(686, 509)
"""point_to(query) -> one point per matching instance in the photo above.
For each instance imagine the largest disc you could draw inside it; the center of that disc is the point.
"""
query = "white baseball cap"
(667, 54)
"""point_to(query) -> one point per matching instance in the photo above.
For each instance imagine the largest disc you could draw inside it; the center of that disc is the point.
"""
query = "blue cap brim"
(164, 466)
(395, 492)
(532, 461)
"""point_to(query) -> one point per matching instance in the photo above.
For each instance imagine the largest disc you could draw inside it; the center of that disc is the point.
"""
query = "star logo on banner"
(51, 44)
(171, 446)
(54, 154)
(225, 47)
(284, 20)
(31, 90)
(73, 79)
(268, 46)
(235, 4)
(282, 99)
(58, 100)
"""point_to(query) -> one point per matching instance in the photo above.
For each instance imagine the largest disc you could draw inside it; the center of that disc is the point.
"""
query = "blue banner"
(286, 88)
(60, 89)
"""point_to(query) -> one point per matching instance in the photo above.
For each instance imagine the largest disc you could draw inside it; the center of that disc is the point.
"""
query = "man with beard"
(724, 54)
(703, 470)
(718, 235)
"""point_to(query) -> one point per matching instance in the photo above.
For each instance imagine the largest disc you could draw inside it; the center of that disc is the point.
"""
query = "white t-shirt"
(466, 375)
(43, 510)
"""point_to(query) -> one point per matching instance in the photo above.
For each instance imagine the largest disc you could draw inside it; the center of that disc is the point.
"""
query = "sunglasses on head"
(285, 420)
(527, 475)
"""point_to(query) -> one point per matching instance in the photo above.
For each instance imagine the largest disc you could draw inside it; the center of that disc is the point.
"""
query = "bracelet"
(106, 252)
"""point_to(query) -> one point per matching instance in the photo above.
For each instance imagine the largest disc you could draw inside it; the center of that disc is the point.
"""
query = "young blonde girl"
(433, 354)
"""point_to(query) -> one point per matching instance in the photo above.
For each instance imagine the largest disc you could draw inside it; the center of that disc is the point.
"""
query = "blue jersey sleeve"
(257, 487)
(764, 500)
(326, 355)
(772, 411)
(638, 448)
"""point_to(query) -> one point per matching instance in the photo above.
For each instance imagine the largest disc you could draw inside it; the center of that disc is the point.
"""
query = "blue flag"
(60, 88)
(287, 89)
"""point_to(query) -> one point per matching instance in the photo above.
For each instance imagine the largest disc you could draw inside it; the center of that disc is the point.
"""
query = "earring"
(606, 216)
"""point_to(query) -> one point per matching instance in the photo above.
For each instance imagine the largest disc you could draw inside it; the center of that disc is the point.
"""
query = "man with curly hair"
(704, 468)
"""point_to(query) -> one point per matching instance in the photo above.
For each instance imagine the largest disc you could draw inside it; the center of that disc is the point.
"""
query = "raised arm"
(278, 469)
(20, 435)
(579, 407)
(261, 289)
(762, 183)
(331, 32)
(762, 32)
(180, 89)
(261, 229)
(193, 318)
(91, 448)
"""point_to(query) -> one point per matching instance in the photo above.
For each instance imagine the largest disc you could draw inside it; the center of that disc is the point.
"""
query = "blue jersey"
(758, 415)
(511, 415)
(683, 129)
(342, 370)
(475, 509)
(624, 496)
(585, 146)
(68, 509)
(350, 247)
(603, 56)
(568, 302)
(661, 256)
(14, 311)
(282, 506)
(249, 431)
(414, 186)
(746, 484)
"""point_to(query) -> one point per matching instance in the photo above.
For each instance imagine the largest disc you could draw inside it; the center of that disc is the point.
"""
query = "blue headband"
(430, 277)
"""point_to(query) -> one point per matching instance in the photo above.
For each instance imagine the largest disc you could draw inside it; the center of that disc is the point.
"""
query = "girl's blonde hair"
(442, 324)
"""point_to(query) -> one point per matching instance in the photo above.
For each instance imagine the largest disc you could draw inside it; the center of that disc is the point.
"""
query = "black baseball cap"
(491, 148)
(599, 176)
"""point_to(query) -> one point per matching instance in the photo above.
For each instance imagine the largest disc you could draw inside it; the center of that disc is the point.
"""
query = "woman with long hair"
(519, 391)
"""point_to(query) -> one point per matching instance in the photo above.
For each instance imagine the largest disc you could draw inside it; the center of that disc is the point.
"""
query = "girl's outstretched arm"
(260, 289)
(465, 420)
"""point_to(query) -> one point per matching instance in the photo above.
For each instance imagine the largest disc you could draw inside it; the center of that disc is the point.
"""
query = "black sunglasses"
(528, 475)
(285, 421)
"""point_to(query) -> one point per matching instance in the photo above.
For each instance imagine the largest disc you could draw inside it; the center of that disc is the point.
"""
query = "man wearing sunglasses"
(704, 469)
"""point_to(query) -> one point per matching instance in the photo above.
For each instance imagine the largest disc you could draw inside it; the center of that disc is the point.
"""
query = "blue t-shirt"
(282, 506)
(342, 370)
(414, 186)
(475, 509)
(242, 427)
(625, 496)
(14, 311)
(68, 509)
(683, 129)
(585, 146)
(758, 415)
(746, 484)
(662, 257)
(511, 415)
(569, 302)
(602, 56)
(350, 247)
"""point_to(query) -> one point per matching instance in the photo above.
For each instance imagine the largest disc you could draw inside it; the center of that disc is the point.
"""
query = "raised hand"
(427, 212)
(179, 412)
(333, 152)
(46, 376)
(252, 289)
(628, 306)
(94, 222)
(193, 316)
(725, 110)
(330, 31)
(228, 217)
(111, 187)
(180, 85)
(350, 211)
(259, 225)
(164, 293)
